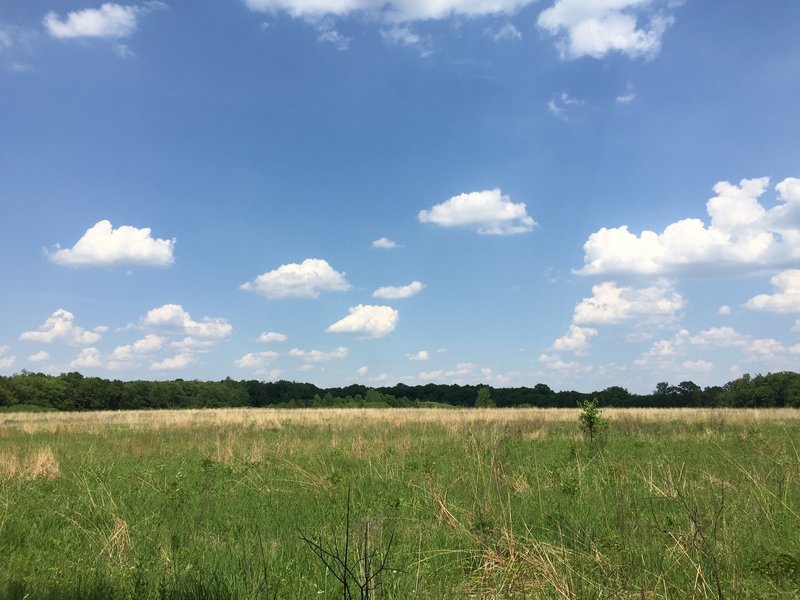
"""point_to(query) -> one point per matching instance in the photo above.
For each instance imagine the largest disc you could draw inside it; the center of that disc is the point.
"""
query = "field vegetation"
(400, 503)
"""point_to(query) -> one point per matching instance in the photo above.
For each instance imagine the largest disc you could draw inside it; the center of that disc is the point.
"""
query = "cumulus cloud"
(719, 337)
(555, 362)
(130, 354)
(60, 327)
(487, 212)
(421, 355)
(724, 310)
(304, 280)
(40, 356)
(596, 27)
(190, 344)
(6, 360)
(394, 10)
(575, 340)
(743, 236)
(102, 245)
(787, 297)
(88, 358)
(269, 337)
(369, 320)
(319, 356)
(256, 360)
(611, 304)
(109, 21)
(362, 371)
(697, 366)
(179, 361)
(384, 243)
(395, 293)
(173, 318)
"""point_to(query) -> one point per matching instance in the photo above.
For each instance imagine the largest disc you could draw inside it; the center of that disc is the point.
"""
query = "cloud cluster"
(396, 293)
(743, 235)
(384, 243)
(269, 337)
(256, 360)
(418, 356)
(319, 356)
(398, 11)
(576, 340)
(487, 212)
(612, 304)
(597, 27)
(368, 320)
(102, 245)
(109, 21)
(787, 297)
(6, 359)
(304, 280)
(60, 327)
(173, 318)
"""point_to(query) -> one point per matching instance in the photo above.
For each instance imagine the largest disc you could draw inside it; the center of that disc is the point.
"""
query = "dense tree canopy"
(73, 391)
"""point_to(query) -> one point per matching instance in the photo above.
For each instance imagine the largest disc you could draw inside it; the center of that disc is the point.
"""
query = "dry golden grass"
(39, 464)
(527, 421)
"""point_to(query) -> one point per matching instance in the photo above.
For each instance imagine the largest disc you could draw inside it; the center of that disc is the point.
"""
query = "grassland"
(460, 504)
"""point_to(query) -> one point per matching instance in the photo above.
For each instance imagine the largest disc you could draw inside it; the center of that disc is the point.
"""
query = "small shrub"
(592, 421)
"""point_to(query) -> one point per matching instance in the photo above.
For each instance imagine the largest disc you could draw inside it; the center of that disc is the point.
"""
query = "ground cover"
(509, 503)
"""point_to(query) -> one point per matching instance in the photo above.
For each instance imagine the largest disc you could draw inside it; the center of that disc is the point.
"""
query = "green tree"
(484, 399)
(591, 418)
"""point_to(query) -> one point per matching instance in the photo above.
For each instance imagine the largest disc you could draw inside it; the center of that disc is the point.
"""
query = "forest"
(75, 392)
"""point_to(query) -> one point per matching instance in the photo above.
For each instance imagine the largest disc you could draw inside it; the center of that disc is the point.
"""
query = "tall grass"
(477, 503)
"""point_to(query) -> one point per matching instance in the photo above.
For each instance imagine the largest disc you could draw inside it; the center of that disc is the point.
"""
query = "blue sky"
(582, 193)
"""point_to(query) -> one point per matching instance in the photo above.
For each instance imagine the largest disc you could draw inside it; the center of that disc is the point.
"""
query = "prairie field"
(400, 503)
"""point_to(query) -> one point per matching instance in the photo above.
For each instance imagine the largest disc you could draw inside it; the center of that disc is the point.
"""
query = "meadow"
(400, 503)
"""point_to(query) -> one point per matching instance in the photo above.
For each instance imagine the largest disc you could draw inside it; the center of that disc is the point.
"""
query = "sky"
(582, 193)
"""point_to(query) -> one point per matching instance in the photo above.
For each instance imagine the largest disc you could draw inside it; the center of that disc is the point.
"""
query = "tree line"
(73, 391)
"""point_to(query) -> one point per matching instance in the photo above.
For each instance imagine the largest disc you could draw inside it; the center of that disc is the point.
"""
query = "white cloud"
(487, 212)
(6, 361)
(102, 245)
(256, 360)
(362, 371)
(697, 366)
(611, 304)
(724, 310)
(421, 355)
(108, 21)
(742, 236)
(331, 36)
(625, 98)
(179, 361)
(719, 337)
(507, 33)
(796, 328)
(785, 300)
(305, 280)
(395, 293)
(372, 321)
(401, 35)
(40, 356)
(190, 344)
(769, 348)
(269, 337)
(558, 105)
(575, 340)
(88, 358)
(554, 362)
(394, 10)
(384, 243)
(127, 355)
(318, 356)
(60, 327)
(173, 318)
(596, 27)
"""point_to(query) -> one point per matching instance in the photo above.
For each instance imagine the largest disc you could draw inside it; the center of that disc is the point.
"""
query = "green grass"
(526, 509)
